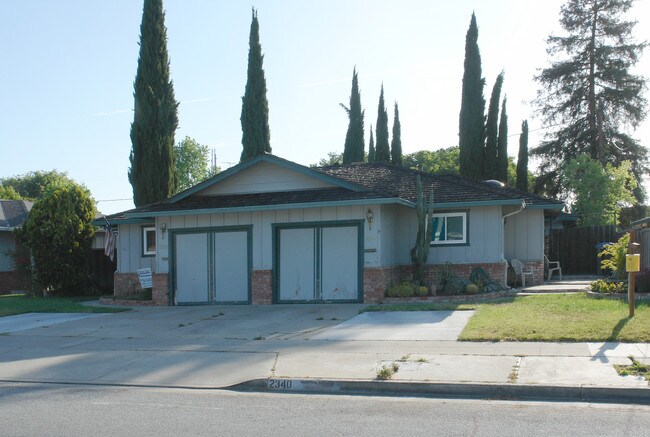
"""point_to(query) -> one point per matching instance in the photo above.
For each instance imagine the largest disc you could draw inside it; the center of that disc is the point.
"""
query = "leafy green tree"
(396, 142)
(8, 193)
(153, 171)
(434, 161)
(371, 147)
(58, 232)
(472, 110)
(256, 134)
(192, 163)
(333, 158)
(588, 96)
(353, 150)
(502, 149)
(382, 147)
(490, 165)
(35, 184)
(522, 160)
(598, 192)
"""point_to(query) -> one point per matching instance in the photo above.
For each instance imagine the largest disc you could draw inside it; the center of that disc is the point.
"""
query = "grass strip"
(20, 304)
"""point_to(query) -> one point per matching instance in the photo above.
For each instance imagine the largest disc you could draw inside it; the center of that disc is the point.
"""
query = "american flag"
(109, 242)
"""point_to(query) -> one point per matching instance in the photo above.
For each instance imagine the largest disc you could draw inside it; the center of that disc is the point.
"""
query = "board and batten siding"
(262, 233)
(264, 178)
(485, 235)
(524, 236)
(129, 246)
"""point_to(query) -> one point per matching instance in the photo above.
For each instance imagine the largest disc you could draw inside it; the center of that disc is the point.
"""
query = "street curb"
(529, 392)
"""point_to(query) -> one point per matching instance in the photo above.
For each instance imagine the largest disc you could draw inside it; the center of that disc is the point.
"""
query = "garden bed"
(618, 296)
(445, 298)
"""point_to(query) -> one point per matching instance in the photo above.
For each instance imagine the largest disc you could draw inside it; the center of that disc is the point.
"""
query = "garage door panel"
(297, 269)
(192, 283)
(231, 266)
(340, 263)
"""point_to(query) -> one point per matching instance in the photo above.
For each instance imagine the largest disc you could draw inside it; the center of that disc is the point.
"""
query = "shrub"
(615, 253)
(403, 289)
(606, 286)
(58, 232)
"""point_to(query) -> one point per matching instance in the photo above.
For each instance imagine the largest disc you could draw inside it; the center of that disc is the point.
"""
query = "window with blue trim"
(449, 228)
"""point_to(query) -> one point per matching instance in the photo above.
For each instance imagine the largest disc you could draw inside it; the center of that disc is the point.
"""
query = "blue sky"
(68, 68)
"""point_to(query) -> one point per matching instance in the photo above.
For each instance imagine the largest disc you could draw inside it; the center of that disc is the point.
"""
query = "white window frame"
(445, 216)
(145, 230)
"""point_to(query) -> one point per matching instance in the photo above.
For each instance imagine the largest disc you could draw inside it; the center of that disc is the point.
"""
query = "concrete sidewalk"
(323, 348)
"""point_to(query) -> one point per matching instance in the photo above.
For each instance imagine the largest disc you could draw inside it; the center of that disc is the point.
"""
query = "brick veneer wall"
(538, 273)
(126, 284)
(377, 279)
(262, 287)
(10, 281)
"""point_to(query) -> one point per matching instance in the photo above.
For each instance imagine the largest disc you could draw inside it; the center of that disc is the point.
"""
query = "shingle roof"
(359, 182)
(447, 188)
(14, 212)
(260, 199)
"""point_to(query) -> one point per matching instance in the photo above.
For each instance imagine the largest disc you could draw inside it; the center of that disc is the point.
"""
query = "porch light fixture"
(163, 228)
(369, 217)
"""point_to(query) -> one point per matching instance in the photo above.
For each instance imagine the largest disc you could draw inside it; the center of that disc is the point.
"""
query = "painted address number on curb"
(279, 384)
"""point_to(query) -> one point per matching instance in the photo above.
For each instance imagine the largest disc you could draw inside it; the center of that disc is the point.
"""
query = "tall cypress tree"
(382, 148)
(522, 159)
(353, 150)
(155, 115)
(256, 135)
(371, 147)
(396, 142)
(471, 136)
(490, 165)
(502, 151)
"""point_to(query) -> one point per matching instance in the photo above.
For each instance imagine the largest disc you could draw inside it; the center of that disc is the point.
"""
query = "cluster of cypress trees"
(152, 172)
(381, 151)
(483, 140)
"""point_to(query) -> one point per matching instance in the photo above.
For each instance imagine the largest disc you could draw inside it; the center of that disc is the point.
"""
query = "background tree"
(153, 171)
(472, 110)
(382, 147)
(522, 159)
(58, 232)
(436, 161)
(256, 134)
(502, 145)
(35, 184)
(597, 192)
(371, 147)
(353, 150)
(333, 158)
(8, 193)
(192, 163)
(396, 141)
(588, 95)
(490, 165)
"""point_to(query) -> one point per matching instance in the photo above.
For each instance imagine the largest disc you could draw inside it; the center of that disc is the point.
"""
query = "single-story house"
(269, 230)
(13, 214)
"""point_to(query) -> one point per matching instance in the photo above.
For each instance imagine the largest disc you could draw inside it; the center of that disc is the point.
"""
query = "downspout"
(503, 239)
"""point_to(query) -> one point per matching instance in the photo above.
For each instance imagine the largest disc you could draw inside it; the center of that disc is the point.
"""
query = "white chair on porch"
(553, 266)
(521, 271)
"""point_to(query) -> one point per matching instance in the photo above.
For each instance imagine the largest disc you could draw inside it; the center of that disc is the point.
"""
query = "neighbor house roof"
(353, 184)
(13, 213)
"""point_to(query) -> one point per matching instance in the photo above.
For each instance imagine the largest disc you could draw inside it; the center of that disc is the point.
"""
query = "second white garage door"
(318, 263)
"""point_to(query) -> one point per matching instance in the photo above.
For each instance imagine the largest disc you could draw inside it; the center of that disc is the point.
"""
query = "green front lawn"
(572, 317)
(20, 304)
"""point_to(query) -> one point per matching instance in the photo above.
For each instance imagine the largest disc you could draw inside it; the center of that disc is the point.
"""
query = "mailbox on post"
(632, 262)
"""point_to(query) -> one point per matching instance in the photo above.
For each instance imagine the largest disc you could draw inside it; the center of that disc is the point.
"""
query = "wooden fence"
(576, 249)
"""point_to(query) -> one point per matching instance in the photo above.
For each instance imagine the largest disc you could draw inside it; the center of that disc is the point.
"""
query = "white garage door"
(319, 264)
(211, 267)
